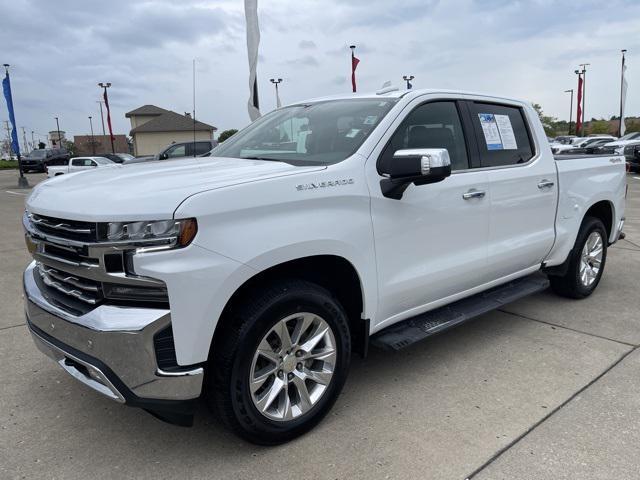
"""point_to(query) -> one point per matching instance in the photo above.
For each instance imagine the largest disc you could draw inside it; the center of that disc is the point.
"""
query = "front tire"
(586, 261)
(279, 362)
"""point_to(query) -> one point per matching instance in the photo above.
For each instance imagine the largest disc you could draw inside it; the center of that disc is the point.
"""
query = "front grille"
(165, 349)
(70, 229)
(83, 289)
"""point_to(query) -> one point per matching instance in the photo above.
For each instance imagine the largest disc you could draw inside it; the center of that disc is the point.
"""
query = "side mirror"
(419, 166)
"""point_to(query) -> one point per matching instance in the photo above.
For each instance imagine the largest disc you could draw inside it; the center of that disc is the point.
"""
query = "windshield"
(38, 153)
(630, 136)
(102, 160)
(316, 134)
(125, 156)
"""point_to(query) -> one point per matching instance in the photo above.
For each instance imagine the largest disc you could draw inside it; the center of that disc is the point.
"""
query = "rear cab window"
(502, 134)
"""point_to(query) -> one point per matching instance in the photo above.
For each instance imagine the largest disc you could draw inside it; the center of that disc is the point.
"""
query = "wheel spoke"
(303, 392)
(262, 376)
(287, 412)
(302, 325)
(315, 338)
(285, 339)
(326, 355)
(265, 350)
(321, 377)
(268, 398)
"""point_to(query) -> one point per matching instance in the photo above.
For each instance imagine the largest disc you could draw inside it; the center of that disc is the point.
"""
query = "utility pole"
(570, 108)
(6, 124)
(102, 118)
(408, 78)
(93, 143)
(24, 139)
(59, 138)
(33, 141)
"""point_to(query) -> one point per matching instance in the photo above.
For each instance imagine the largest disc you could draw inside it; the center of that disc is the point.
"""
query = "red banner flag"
(106, 104)
(354, 63)
(579, 115)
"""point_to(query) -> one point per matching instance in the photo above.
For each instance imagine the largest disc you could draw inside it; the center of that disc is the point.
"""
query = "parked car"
(77, 164)
(117, 157)
(37, 160)
(618, 145)
(179, 150)
(579, 143)
(325, 226)
(589, 148)
(632, 156)
(564, 139)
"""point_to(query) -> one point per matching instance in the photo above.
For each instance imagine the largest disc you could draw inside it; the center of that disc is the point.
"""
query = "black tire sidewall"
(256, 426)
(589, 226)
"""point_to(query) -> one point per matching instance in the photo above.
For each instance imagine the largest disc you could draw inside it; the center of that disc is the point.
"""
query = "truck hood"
(146, 191)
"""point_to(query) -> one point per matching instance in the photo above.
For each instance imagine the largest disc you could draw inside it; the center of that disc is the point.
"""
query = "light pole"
(584, 88)
(276, 82)
(106, 104)
(33, 141)
(621, 128)
(408, 78)
(570, 108)
(59, 139)
(102, 118)
(93, 143)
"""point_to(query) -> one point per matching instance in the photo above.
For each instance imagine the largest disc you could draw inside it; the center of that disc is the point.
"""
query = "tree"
(599, 126)
(70, 147)
(550, 124)
(226, 134)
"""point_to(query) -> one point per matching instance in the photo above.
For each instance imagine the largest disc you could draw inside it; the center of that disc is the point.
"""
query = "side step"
(412, 330)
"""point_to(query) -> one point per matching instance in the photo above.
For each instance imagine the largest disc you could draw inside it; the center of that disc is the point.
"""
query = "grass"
(4, 164)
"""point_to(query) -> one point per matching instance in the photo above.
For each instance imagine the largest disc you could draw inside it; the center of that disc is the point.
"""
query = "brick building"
(102, 144)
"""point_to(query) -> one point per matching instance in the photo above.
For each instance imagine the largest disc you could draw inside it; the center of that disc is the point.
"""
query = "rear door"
(522, 176)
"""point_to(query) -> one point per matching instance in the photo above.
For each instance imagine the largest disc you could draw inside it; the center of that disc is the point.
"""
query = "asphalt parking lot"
(548, 388)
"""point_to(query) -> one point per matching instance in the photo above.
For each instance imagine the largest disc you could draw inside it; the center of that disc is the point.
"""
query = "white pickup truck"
(78, 164)
(250, 277)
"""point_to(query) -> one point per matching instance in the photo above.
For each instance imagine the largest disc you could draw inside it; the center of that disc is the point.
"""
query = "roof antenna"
(386, 88)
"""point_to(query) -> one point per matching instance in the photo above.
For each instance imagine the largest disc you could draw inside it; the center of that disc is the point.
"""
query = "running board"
(412, 330)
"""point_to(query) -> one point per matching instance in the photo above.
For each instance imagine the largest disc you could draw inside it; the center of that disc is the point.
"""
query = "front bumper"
(111, 350)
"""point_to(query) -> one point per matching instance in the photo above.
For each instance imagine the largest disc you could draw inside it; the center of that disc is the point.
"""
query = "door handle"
(545, 184)
(473, 193)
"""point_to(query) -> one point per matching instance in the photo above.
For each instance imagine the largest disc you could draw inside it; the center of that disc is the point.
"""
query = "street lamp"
(570, 108)
(276, 82)
(59, 138)
(408, 78)
(93, 143)
(106, 104)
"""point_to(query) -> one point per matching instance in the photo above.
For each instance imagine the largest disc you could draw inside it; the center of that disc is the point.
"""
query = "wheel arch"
(332, 272)
(603, 210)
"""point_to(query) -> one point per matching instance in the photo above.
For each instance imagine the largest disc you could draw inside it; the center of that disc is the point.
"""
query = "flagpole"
(22, 181)
(620, 127)
(353, 70)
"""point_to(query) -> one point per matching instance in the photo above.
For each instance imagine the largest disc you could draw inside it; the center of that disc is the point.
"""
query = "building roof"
(146, 110)
(171, 122)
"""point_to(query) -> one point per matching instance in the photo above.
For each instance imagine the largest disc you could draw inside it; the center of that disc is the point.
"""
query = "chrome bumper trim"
(121, 338)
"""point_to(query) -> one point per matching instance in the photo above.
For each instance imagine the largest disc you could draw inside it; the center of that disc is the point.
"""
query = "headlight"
(178, 233)
(619, 150)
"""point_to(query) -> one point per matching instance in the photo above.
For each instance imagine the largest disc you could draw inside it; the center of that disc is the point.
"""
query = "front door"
(432, 243)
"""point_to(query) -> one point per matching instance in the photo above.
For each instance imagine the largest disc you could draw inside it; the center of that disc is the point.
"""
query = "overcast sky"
(59, 50)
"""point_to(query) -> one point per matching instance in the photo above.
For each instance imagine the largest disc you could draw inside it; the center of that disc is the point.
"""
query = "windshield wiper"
(263, 158)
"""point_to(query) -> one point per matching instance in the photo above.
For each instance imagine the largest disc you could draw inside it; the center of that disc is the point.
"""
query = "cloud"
(306, 61)
(307, 45)
(60, 50)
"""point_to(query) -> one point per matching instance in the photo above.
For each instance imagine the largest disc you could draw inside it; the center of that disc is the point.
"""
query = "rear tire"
(586, 261)
(268, 385)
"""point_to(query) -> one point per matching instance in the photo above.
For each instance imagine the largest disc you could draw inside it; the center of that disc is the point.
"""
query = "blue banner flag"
(6, 86)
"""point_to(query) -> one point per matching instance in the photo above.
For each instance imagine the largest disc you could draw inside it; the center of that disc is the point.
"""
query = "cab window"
(431, 125)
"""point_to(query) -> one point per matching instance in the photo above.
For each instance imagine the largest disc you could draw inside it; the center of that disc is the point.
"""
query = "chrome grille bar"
(65, 227)
(75, 281)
